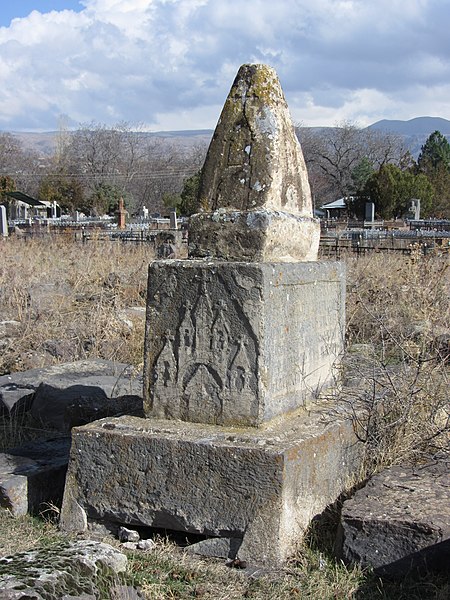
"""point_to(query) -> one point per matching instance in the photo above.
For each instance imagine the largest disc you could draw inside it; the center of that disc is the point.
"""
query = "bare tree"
(333, 153)
(23, 166)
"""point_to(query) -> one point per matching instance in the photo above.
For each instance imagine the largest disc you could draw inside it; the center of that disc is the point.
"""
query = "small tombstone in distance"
(3, 221)
(121, 215)
(167, 248)
(173, 219)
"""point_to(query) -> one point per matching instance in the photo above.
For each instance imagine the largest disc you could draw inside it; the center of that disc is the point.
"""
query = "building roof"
(24, 198)
(339, 203)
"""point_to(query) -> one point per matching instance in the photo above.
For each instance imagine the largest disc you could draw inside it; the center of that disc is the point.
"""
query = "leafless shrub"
(396, 368)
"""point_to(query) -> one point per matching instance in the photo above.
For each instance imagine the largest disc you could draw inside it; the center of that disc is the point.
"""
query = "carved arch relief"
(208, 362)
(202, 395)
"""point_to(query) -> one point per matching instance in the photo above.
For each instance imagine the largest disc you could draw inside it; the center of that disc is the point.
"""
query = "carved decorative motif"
(206, 367)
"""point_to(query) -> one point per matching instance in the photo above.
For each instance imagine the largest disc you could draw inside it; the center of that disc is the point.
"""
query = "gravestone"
(121, 215)
(173, 219)
(369, 214)
(3, 221)
(241, 340)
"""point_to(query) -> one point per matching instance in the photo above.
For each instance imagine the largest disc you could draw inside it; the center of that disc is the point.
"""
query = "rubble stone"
(400, 520)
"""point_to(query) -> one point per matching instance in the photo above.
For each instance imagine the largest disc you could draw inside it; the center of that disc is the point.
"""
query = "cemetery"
(262, 389)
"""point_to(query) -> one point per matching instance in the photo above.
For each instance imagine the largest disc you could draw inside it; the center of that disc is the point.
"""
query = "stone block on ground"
(69, 394)
(64, 408)
(400, 520)
(260, 488)
(32, 476)
(240, 343)
(67, 570)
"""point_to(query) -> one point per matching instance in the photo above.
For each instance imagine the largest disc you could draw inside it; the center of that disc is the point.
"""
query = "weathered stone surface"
(259, 235)
(400, 520)
(70, 394)
(67, 374)
(261, 487)
(63, 571)
(254, 159)
(240, 343)
(32, 477)
(255, 165)
(216, 547)
(128, 535)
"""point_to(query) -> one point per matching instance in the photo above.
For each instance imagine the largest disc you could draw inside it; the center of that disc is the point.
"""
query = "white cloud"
(170, 63)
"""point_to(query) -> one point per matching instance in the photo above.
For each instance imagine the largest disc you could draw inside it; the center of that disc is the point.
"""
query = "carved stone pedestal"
(256, 490)
(234, 343)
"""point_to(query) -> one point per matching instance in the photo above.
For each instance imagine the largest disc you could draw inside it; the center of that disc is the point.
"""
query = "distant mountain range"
(418, 126)
(414, 133)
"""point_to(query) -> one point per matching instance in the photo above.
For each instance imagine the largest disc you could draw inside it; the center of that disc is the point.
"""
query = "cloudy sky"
(169, 64)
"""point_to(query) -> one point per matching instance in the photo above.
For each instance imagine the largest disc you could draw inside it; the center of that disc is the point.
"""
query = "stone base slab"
(258, 488)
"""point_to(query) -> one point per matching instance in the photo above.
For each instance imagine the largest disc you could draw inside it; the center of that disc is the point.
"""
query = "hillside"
(414, 127)
(414, 133)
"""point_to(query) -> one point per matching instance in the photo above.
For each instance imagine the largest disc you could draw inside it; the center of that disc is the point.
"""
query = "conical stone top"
(254, 186)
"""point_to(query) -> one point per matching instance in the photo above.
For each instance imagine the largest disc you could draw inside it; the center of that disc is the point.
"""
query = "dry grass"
(71, 301)
(397, 364)
(19, 534)
(399, 304)
(166, 573)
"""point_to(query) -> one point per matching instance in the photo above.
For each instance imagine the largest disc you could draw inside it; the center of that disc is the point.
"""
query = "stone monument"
(121, 215)
(241, 340)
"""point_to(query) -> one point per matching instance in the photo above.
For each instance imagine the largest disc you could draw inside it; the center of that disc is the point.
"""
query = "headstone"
(121, 215)
(415, 208)
(3, 221)
(240, 339)
(370, 212)
(173, 219)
